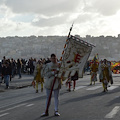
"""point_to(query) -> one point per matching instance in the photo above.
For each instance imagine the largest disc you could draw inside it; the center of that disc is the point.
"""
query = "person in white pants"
(50, 70)
(56, 95)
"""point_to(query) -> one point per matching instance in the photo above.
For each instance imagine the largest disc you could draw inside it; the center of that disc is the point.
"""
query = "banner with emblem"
(74, 57)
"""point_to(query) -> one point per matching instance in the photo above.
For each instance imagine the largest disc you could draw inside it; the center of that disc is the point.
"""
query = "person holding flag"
(50, 73)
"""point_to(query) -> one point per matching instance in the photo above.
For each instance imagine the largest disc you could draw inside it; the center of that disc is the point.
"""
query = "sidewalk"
(17, 83)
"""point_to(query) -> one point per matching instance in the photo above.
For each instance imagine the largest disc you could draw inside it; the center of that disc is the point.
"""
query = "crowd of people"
(44, 72)
(103, 68)
(9, 68)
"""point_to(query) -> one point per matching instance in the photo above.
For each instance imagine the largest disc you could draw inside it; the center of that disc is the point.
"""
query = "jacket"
(49, 75)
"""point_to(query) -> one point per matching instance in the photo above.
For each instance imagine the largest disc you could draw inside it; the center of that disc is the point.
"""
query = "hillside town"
(42, 46)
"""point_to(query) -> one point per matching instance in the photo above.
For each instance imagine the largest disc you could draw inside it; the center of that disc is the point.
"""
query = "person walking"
(94, 69)
(19, 66)
(70, 79)
(106, 73)
(37, 76)
(6, 73)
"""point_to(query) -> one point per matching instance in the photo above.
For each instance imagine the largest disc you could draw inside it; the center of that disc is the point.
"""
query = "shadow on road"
(47, 118)
(115, 100)
(93, 96)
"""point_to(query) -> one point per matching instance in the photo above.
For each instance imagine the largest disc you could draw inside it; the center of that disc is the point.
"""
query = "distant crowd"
(11, 67)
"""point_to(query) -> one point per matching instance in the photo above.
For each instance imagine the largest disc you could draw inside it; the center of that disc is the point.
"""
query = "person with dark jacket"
(19, 66)
(13, 66)
(10, 65)
(6, 73)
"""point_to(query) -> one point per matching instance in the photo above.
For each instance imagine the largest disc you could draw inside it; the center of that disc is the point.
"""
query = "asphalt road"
(85, 103)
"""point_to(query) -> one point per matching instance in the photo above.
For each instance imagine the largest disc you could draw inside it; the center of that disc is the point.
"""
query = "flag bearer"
(51, 69)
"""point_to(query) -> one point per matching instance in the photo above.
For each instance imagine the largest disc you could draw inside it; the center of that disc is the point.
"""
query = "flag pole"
(46, 111)
(70, 30)
(50, 95)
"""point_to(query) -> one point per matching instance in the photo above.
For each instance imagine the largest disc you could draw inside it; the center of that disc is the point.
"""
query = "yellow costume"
(37, 77)
(94, 69)
(106, 76)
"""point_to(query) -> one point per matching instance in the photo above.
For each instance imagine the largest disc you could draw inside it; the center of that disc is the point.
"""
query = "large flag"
(74, 57)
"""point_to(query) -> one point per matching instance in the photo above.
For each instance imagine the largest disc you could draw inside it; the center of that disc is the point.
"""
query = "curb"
(23, 86)
(2, 91)
(15, 87)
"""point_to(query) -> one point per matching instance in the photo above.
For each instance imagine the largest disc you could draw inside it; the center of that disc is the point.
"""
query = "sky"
(55, 17)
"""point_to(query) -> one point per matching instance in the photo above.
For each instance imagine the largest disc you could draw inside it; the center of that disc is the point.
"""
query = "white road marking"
(13, 107)
(117, 96)
(94, 88)
(4, 114)
(116, 83)
(21, 100)
(29, 105)
(79, 87)
(112, 87)
(113, 112)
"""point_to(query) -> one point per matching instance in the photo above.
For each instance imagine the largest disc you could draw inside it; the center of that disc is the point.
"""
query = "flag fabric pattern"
(74, 57)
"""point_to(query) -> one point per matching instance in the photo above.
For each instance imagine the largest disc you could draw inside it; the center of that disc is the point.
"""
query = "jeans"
(56, 95)
(6, 78)
(19, 72)
(13, 72)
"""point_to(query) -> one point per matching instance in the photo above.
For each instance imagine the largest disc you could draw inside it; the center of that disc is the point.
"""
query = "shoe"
(57, 113)
(104, 91)
(73, 89)
(69, 90)
(19, 77)
(44, 114)
(7, 87)
(36, 91)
